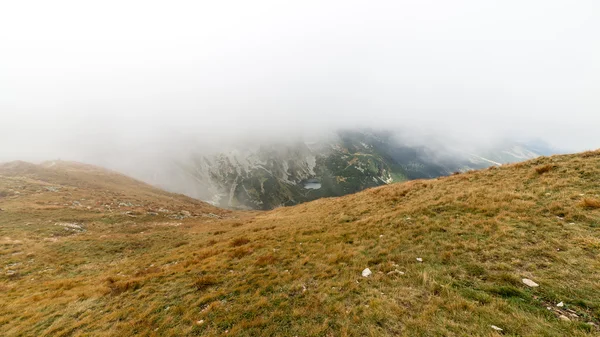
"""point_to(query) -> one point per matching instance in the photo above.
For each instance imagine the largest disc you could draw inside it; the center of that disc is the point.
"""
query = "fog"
(99, 81)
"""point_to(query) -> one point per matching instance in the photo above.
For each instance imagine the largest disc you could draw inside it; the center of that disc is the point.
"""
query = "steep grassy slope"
(296, 271)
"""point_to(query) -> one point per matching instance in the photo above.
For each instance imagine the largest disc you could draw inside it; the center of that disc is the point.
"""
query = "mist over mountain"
(94, 82)
(274, 172)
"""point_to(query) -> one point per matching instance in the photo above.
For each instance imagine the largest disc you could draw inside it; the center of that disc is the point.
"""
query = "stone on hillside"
(560, 305)
(367, 272)
(564, 318)
(395, 272)
(530, 283)
(419, 259)
(496, 328)
(186, 213)
(72, 226)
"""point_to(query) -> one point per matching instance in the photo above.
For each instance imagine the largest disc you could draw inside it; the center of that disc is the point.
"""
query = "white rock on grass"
(530, 283)
(496, 328)
(367, 272)
(564, 318)
(560, 305)
(419, 259)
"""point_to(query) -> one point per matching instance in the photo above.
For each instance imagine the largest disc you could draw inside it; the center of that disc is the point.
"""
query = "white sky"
(83, 76)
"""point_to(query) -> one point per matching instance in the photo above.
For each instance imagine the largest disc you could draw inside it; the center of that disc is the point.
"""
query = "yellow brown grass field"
(146, 262)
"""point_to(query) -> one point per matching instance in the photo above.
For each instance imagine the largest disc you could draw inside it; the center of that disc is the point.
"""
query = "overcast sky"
(93, 76)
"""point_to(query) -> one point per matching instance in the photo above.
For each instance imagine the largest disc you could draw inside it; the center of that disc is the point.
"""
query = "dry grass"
(204, 282)
(543, 168)
(590, 203)
(297, 270)
(239, 242)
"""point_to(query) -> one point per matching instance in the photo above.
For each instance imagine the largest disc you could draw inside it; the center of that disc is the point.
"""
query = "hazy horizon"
(81, 80)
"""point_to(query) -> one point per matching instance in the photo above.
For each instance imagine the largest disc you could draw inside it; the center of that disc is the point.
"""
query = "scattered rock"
(560, 305)
(52, 189)
(163, 210)
(564, 318)
(419, 259)
(200, 322)
(152, 213)
(70, 226)
(367, 272)
(571, 223)
(496, 328)
(395, 272)
(530, 283)
(185, 213)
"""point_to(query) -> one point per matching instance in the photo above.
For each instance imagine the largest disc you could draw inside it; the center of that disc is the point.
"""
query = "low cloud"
(95, 83)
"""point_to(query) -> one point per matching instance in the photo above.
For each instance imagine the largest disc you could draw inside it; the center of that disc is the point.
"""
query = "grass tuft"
(544, 168)
(117, 287)
(204, 282)
(266, 260)
(590, 203)
(239, 242)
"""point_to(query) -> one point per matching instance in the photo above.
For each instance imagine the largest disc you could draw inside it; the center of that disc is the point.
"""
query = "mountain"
(284, 174)
(451, 256)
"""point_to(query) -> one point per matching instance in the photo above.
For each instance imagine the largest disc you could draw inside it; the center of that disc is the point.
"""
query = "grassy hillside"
(447, 256)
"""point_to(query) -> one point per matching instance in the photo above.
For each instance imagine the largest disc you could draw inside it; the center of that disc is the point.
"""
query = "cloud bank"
(83, 81)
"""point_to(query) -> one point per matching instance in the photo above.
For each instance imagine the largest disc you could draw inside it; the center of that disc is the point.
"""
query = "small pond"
(312, 184)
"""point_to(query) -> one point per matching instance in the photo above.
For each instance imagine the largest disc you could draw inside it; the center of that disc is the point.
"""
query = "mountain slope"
(285, 174)
(297, 270)
(59, 185)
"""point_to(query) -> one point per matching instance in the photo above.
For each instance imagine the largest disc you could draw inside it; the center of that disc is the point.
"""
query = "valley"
(271, 175)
